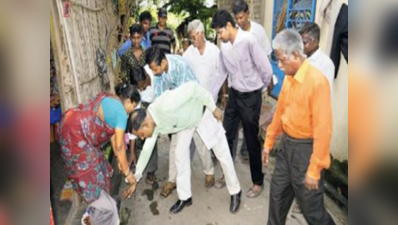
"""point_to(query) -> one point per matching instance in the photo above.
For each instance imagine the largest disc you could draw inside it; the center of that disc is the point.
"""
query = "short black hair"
(137, 74)
(146, 15)
(137, 117)
(154, 54)
(221, 18)
(240, 6)
(312, 29)
(128, 91)
(136, 28)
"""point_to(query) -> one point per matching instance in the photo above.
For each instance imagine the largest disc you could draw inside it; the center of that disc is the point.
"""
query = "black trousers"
(243, 148)
(287, 183)
(246, 108)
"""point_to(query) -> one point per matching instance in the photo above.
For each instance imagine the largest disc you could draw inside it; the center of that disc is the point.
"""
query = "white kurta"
(205, 67)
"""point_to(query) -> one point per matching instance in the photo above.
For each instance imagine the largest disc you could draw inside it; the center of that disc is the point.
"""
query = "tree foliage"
(196, 9)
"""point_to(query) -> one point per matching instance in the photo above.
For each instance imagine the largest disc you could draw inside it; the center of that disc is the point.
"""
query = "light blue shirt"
(179, 73)
(145, 43)
(114, 113)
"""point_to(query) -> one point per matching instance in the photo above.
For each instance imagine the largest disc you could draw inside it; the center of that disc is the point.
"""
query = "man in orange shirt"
(304, 119)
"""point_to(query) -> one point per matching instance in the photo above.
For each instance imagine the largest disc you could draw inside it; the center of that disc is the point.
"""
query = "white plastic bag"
(103, 211)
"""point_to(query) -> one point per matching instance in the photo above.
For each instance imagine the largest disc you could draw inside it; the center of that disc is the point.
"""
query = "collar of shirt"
(251, 27)
(301, 73)
(315, 55)
(170, 65)
(165, 28)
(239, 36)
(196, 50)
(145, 41)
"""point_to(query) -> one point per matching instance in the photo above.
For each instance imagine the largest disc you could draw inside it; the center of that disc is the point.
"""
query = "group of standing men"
(182, 93)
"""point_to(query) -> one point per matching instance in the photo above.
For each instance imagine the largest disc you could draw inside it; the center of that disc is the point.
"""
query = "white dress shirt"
(323, 63)
(258, 31)
(205, 67)
(246, 63)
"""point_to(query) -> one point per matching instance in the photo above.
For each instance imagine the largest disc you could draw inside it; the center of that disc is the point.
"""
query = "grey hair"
(289, 41)
(196, 25)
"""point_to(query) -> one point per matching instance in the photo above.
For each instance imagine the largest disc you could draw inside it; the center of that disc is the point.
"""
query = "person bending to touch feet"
(190, 110)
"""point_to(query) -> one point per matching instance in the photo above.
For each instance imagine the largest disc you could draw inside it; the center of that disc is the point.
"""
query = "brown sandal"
(168, 189)
(210, 181)
(296, 208)
(253, 194)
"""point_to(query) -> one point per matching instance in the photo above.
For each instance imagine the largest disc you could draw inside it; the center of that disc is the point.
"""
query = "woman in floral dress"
(85, 130)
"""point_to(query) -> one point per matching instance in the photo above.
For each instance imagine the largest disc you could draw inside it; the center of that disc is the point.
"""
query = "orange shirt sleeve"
(275, 128)
(322, 129)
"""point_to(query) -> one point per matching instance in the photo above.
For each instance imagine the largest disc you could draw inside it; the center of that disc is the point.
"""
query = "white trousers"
(204, 155)
(183, 164)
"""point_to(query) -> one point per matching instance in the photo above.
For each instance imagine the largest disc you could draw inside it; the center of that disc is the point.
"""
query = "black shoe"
(179, 206)
(235, 203)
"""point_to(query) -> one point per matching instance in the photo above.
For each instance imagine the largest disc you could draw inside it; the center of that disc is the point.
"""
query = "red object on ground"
(51, 217)
(4, 219)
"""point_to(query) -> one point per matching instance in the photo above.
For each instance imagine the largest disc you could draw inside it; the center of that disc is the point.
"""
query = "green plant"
(195, 9)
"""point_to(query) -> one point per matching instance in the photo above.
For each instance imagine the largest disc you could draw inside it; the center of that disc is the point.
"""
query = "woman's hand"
(128, 191)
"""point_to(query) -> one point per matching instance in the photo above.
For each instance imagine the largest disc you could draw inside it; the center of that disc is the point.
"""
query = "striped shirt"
(162, 38)
(179, 73)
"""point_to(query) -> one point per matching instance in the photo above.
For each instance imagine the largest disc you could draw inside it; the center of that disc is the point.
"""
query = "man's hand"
(218, 114)
(224, 99)
(266, 152)
(130, 179)
(128, 191)
(270, 87)
(311, 184)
